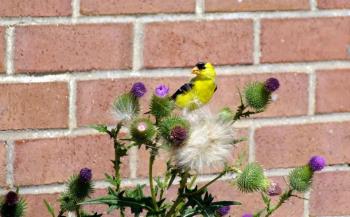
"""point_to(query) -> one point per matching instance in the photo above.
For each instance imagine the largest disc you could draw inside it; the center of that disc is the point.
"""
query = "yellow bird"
(199, 90)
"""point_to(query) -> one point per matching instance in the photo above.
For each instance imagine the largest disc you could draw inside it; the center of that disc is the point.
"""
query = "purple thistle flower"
(272, 84)
(274, 189)
(223, 210)
(162, 90)
(11, 198)
(178, 135)
(138, 89)
(247, 215)
(85, 175)
(317, 163)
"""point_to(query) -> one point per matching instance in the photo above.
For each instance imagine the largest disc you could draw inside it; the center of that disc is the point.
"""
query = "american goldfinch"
(199, 90)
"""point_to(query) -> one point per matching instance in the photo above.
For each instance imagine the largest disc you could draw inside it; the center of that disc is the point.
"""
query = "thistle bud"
(317, 163)
(252, 179)
(274, 189)
(256, 96)
(300, 178)
(142, 130)
(223, 210)
(12, 205)
(85, 175)
(272, 84)
(178, 135)
(11, 198)
(161, 105)
(174, 129)
(138, 89)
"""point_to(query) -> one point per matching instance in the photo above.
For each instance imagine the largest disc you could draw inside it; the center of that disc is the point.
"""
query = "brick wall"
(62, 62)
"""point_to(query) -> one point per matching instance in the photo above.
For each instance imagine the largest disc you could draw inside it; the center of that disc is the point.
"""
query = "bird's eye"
(200, 65)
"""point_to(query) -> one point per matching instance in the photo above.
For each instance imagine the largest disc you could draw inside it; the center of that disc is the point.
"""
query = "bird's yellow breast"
(200, 94)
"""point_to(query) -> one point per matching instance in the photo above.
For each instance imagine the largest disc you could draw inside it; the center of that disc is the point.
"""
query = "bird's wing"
(216, 87)
(183, 89)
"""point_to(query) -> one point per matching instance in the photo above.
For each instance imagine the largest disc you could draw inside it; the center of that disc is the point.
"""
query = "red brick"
(330, 194)
(2, 50)
(290, 146)
(309, 39)
(331, 90)
(94, 98)
(36, 206)
(44, 161)
(36, 105)
(329, 4)
(252, 203)
(111, 7)
(35, 8)
(73, 48)
(180, 44)
(255, 5)
(159, 166)
(3, 163)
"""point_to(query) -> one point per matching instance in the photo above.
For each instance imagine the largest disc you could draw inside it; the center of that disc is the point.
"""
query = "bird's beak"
(195, 71)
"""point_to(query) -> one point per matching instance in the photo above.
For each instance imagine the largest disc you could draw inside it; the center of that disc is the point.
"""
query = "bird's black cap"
(200, 65)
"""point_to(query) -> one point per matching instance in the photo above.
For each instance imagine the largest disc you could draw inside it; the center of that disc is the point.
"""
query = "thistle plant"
(196, 140)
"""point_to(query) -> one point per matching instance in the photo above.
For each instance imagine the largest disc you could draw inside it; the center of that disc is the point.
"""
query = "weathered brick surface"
(330, 194)
(255, 5)
(73, 48)
(94, 98)
(110, 7)
(178, 44)
(252, 202)
(331, 90)
(307, 39)
(3, 158)
(2, 50)
(44, 161)
(37, 105)
(35, 8)
(330, 4)
(290, 146)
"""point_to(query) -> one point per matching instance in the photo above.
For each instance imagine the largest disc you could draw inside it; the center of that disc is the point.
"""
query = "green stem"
(282, 200)
(180, 196)
(150, 177)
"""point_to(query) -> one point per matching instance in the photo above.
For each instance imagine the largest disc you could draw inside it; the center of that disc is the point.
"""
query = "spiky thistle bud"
(317, 163)
(252, 179)
(12, 205)
(272, 84)
(223, 210)
(167, 126)
(142, 130)
(126, 107)
(300, 178)
(256, 96)
(274, 189)
(138, 89)
(79, 187)
(161, 105)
